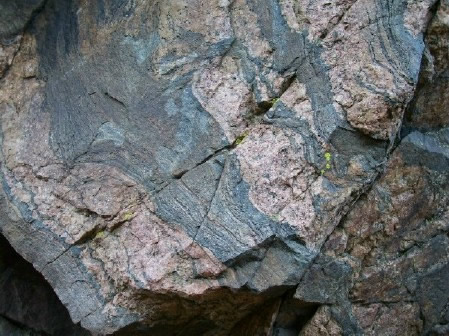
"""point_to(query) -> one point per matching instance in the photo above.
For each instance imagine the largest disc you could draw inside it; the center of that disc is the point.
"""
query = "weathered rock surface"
(245, 167)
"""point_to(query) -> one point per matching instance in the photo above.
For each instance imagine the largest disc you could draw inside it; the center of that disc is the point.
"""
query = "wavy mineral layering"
(224, 167)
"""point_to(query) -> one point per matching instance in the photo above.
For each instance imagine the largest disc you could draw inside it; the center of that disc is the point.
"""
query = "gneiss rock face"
(226, 167)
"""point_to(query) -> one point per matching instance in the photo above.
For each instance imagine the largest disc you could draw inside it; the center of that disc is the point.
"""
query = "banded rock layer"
(246, 167)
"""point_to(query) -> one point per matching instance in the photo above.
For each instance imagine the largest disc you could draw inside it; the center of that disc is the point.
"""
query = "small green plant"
(128, 215)
(239, 140)
(274, 101)
(100, 234)
(328, 166)
(276, 218)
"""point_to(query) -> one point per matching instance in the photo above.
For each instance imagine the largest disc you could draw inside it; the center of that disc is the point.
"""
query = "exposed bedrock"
(246, 167)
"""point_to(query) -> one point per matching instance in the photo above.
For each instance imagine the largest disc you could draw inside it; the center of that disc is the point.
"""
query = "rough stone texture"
(246, 167)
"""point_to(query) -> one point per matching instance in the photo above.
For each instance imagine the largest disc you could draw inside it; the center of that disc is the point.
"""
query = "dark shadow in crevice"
(293, 316)
(27, 302)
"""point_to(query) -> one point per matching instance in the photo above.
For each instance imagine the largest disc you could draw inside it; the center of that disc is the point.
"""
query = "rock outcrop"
(28, 305)
(245, 167)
